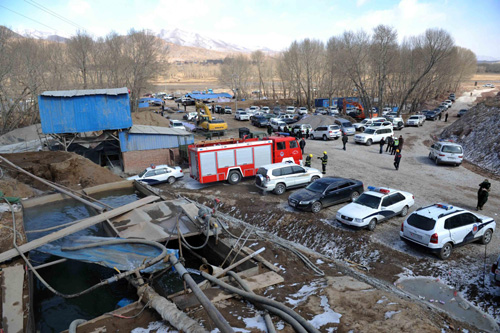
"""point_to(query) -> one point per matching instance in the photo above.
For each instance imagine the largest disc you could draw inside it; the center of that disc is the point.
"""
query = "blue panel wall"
(84, 113)
(132, 142)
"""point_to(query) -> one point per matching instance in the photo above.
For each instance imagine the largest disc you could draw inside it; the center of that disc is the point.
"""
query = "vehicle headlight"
(337, 215)
(358, 220)
(305, 202)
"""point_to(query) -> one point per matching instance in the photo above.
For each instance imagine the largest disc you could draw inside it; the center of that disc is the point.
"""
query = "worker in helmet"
(308, 160)
(324, 161)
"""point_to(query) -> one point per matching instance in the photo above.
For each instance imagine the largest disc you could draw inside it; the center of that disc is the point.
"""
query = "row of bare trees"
(375, 68)
(30, 66)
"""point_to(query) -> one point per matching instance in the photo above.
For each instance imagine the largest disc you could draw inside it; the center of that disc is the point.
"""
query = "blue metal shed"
(77, 111)
(141, 137)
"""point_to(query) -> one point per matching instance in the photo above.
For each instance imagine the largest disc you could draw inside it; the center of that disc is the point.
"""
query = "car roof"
(380, 195)
(449, 143)
(435, 211)
(331, 180)
(278, 165)
(161, 166)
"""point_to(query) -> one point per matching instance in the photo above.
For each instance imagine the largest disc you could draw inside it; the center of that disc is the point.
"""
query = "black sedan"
(461, 112)
(431, 115)
(325, 192)
(259, 121)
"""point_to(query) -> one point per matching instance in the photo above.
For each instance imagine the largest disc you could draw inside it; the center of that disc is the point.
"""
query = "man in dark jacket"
(390, 141)
(302, 144)
(401, 141)
(308, 160)
(307, 133)
(269, 130)
(382, 143)
(483, 194)
(446, 117)
(397, 159)
(344, 139)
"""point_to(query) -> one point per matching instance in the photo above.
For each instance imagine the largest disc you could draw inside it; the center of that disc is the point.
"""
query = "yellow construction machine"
(207, 123)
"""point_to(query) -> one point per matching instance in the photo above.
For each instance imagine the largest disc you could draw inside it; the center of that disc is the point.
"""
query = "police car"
(159, 174)
(441, 227)
(375, 205)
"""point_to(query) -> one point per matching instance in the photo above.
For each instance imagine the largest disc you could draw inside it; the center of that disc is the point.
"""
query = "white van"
(371, 135)
(365, 123)
(326, 132)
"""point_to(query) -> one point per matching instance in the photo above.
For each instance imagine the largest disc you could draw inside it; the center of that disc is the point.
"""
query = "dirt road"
(386, 256)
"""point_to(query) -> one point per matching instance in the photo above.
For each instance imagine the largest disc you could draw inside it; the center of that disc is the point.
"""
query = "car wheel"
(369, 142)
(436, 160)
(430, 156)
(171, 180)
(316, 207)
(234, 177)
(354, 195)
(445, 252)
(404, 211)
(324, 137)
(371, 226)
(487, 237)
(312, 137)
(279, 189)
(314, 178)
(362, 129)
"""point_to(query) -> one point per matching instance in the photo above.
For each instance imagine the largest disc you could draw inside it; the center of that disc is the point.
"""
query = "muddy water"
(53, 313)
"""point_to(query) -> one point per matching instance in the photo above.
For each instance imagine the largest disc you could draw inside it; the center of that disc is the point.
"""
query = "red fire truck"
(233, 159)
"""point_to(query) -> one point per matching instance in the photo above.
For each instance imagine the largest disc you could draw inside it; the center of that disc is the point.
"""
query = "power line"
(28, 18)
(56, 15)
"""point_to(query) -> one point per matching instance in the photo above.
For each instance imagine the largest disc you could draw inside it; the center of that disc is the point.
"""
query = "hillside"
(478, 132)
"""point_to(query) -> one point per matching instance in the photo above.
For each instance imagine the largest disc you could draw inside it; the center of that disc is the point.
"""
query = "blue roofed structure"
(208, 96)
(79, 111)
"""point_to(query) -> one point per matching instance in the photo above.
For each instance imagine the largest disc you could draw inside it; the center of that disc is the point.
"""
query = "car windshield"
(452, 149)
(318, 187)
(143, 173)
(347, 124)
(368, 200)
(421, 222)
(369, 131)
(414, 117)
(364, 121)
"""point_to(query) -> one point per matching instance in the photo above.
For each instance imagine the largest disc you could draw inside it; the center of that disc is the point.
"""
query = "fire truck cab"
(233, 159)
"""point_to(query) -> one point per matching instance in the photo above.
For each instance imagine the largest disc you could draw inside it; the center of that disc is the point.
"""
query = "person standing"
(269, 130)
(401, 141)
(382, 143)
(390, 142)
(397, 159)
(395, 146)
(308, 160)
(483, 193)
(324, 161)
(307, 133)
(344, 139)
(302, 144)
(446, 117)
(440, 114)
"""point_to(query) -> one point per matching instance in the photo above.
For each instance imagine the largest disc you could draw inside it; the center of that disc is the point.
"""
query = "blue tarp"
(146, 101)
(124, 257)
(209, 96)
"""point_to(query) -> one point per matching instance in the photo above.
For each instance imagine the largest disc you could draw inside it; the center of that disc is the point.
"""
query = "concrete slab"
(346, 283)
(12, 300)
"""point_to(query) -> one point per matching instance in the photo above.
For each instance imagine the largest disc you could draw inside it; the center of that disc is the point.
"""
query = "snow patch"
(155, 326)
(389, 314)
(327, 317)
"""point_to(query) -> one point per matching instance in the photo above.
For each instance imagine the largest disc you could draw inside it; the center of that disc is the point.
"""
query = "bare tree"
(79, 55)
(235, 73)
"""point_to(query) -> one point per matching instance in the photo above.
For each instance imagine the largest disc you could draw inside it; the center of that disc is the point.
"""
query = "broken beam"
(83, 224)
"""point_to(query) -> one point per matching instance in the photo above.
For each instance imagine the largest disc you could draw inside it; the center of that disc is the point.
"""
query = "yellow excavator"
(207, 123)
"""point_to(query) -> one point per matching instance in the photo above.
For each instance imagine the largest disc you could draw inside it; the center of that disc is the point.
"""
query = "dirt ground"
(384, 255)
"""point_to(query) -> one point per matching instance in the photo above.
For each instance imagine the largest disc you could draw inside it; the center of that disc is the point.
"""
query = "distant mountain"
(486, 58)
(56, 38)
(185, 38)
(10, 32)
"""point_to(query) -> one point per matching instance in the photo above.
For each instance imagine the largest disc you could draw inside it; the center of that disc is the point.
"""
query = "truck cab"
(286, 148)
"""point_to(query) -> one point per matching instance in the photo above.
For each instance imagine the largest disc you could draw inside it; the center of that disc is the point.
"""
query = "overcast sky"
(271, 23)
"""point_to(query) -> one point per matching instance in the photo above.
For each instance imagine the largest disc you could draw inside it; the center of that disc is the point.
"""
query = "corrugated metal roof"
(209, 96)
(72, 93)
(143, 129)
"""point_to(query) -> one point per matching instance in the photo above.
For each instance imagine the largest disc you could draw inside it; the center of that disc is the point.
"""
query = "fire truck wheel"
(234, 177)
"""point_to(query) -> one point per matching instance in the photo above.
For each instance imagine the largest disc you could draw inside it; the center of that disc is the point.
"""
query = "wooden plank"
(12, 298)
(83, 224)
(216, 294)
(261, 259)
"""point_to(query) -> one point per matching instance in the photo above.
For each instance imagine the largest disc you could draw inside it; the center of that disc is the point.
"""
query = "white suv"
(365, 123)
(241, 115)
(415, 120)
(372, 134)
(446, 152)
(302, 110)
(279, 177)
(441, 227)
(375, 205)
(326, 132)
(290, 109)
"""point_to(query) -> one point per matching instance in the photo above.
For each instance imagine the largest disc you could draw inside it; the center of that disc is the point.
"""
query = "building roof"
(209, 96)
(143, 129)
(73, 93)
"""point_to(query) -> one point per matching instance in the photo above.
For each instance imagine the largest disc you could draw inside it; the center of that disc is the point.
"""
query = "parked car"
(374, 206)
(495, 272)
(414, 120)
(285, 116)
(302, 110)
(278, 124)
(379, 124)
(169, 97)
(278, 177)
(345, 126)
(441, 227)
(365, 123)
(260, 121)
(326, 132)
(290, 109)
(266, 109)
(449, 103)
(386, 110)
(241, 115)
(333, 111)
(397, 123)
(489, 85)
(452, 97)
(159, 174)
(177, 124)
(301, 127)
(190, 116)
(444, 152)
(254, 108)
(431, 115)
(228, 110)
(372, 135)
(461, 112)
(325, 192)
(321, 110)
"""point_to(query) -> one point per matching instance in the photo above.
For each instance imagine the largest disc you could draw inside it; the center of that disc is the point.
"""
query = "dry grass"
(486, 77)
